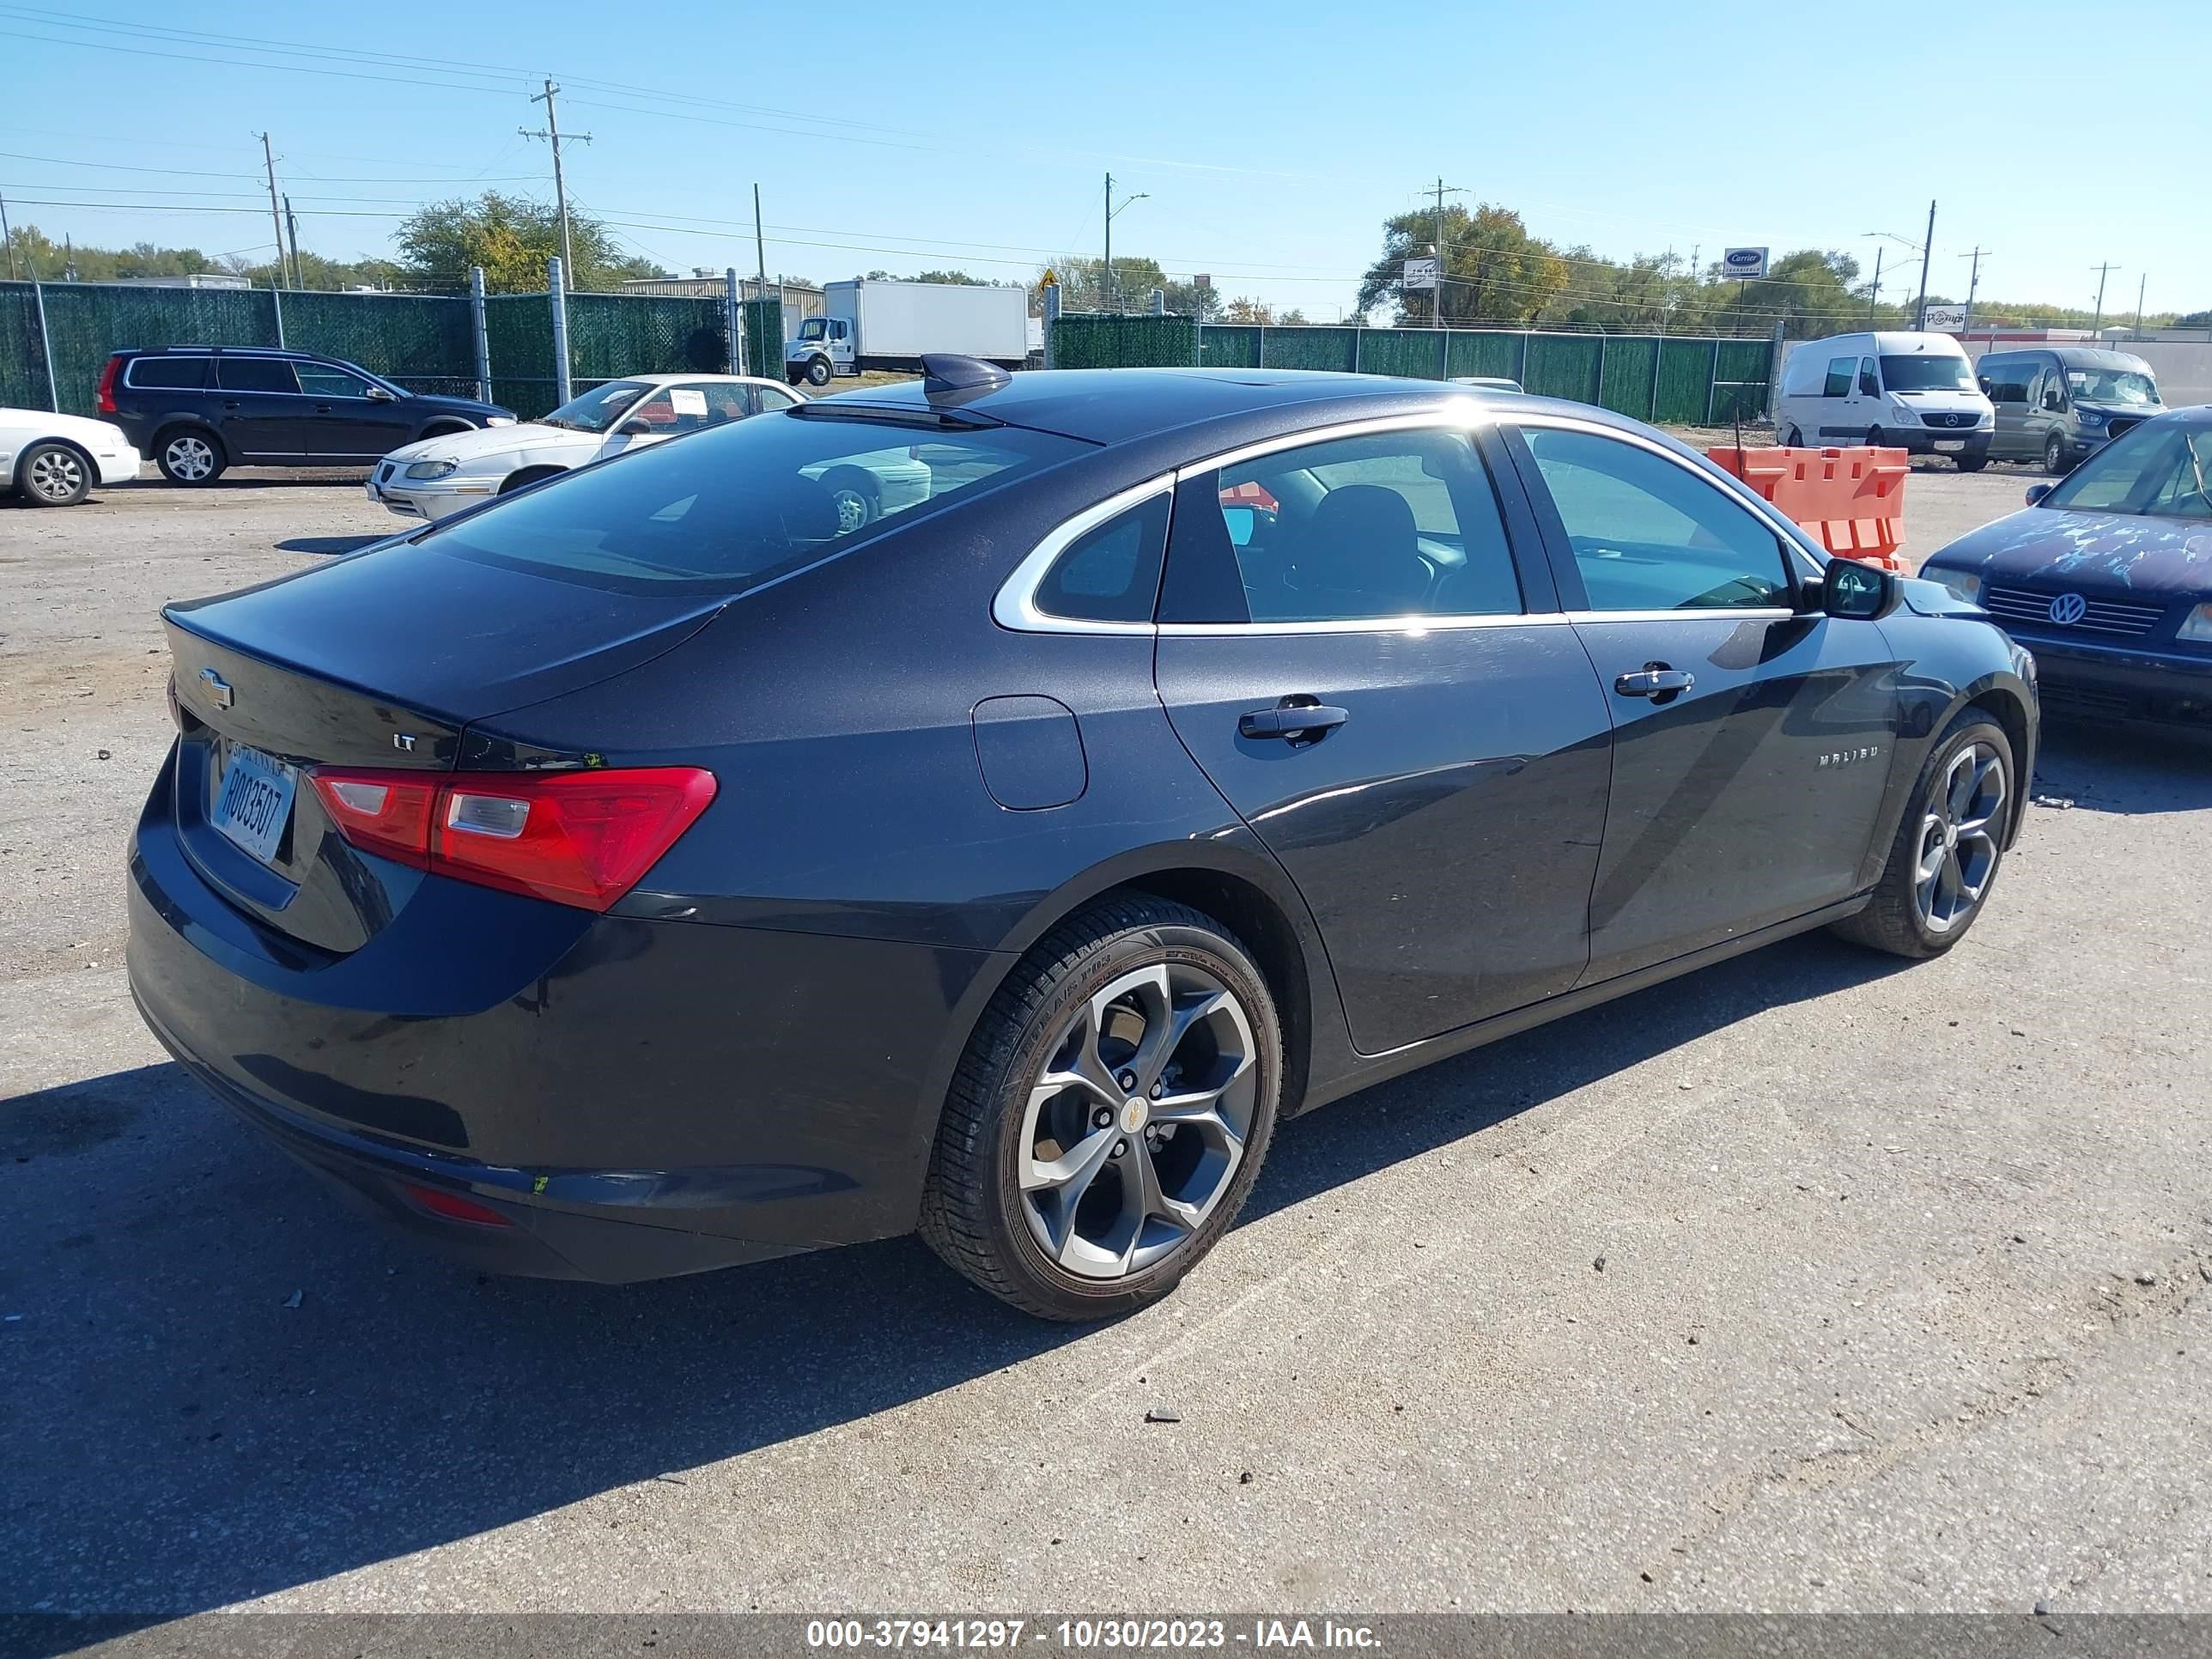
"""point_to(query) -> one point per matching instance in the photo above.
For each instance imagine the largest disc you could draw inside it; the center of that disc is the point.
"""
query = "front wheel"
(818, 372)
(1110, 1115)
(1944, 860)
(52, 475)
(1972, 463)
(1793, 439)
(191, 457)
(2054, 456)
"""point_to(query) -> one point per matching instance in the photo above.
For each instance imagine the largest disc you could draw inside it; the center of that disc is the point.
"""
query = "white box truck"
(886, 324)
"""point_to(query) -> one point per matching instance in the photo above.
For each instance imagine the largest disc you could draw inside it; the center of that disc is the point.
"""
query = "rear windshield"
(734, 506)
(1927, 371)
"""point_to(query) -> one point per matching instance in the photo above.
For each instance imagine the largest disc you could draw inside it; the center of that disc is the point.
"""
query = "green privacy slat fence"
(1697, 380)
(426, 342)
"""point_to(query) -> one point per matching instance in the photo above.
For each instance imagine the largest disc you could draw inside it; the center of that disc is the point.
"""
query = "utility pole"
(9, 237)
(1974, 283)
(1437, 305)
(1927, 251)
(760, 247)
(276, 220)
(299, 279)
(2140, 286)
(2103, 271)
(551, 133)
(1873, 295)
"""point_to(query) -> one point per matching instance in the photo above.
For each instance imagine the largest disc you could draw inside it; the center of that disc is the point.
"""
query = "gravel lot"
(1810, 1282)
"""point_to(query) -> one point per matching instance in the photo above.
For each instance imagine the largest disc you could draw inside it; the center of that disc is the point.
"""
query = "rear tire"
(1949, 845)
(1110, 1115)
(52, 475)
(190, 457)
(1793, 439)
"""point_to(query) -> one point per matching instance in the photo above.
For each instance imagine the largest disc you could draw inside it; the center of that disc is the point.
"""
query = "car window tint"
(320, 380)
(772, 397)
(255, 375)
(1394, 523)
(168, 373)
(739, 504)
(1648, 534)
(1112, 573)
(1841, 371)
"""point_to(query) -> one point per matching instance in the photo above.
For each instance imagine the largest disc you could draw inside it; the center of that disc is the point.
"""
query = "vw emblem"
(2068, 609)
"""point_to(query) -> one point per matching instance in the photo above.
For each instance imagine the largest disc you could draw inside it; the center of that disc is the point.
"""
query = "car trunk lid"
(381, 660)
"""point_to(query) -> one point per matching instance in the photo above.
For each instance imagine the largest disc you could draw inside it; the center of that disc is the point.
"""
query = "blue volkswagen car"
(2107, 577)
(658, 869)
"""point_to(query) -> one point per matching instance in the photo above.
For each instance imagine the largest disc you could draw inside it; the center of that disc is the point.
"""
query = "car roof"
(685, 377)
(1118, 405)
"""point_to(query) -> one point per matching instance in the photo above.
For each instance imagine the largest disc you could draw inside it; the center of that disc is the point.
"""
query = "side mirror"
(634, 429)
(2036, 492)
(1851, 592)
(2054, 400)
(378, 394)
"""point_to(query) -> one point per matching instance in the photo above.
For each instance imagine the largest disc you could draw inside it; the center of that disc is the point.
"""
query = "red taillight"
(382, 812)
(452, 1207)
(107, 387)
(581, 838)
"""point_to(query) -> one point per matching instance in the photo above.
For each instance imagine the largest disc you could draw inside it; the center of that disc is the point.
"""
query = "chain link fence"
(1686, 381)
(424, 341)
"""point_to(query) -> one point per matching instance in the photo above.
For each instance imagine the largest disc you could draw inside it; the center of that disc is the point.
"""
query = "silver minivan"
(2060, 403)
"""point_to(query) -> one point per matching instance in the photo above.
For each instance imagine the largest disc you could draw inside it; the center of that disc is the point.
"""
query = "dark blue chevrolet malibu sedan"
(657, 870)
(2108, 577)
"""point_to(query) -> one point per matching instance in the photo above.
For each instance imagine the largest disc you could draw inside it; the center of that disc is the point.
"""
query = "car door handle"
(1653, 679)
(322, 409)
(230, 403)
(1292, 720)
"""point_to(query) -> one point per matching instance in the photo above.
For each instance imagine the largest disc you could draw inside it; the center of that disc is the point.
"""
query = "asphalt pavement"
(1814, 1281)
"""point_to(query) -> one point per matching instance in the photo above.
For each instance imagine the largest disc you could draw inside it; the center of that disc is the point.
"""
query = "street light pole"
(2103, 271)
(1973, 283)
(1873, 295)
(1112, 290)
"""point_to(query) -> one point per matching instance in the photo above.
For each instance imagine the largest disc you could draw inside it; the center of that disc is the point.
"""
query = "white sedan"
(56, 461)
(438, 476)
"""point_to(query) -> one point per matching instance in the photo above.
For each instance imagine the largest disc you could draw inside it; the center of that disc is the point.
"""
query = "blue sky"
(1270, 141)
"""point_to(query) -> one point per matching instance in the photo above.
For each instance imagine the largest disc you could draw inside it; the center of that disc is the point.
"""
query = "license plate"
(1946, 445)
(255, 802)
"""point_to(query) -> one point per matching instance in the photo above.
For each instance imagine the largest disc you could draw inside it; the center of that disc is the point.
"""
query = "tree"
(1257, 311)
(512, 237)
(1495, 272)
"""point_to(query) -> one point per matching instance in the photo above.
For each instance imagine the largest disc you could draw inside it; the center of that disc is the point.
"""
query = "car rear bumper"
(636, 1097)
(2114, 685)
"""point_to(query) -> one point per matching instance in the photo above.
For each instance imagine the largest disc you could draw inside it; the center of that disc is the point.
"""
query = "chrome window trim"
(1414, 623)
(1461, 414)
(1014, 607)
(1733, 489)
(1763, 613)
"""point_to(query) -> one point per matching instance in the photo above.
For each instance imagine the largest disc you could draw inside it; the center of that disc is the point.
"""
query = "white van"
(1914, 392)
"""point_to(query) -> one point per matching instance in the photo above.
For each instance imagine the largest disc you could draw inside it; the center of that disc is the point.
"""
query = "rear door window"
(743, 502)
(255, 375)
(167, 374)
(1649, 534)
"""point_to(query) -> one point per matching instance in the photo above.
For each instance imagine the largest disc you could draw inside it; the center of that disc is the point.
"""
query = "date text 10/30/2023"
(1127, 1635)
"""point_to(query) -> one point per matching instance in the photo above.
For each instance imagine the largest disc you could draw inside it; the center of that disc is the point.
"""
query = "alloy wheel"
(190, 459)
(1959, 838)
(56, 474)
(1136, 1122)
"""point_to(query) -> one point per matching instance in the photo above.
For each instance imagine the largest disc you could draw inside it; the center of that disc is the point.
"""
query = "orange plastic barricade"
(1852, 499)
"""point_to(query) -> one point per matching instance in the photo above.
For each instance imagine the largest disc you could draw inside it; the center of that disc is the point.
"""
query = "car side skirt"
(1324, 1090)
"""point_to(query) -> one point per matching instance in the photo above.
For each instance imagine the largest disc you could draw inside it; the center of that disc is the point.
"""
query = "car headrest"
(1361, 547)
